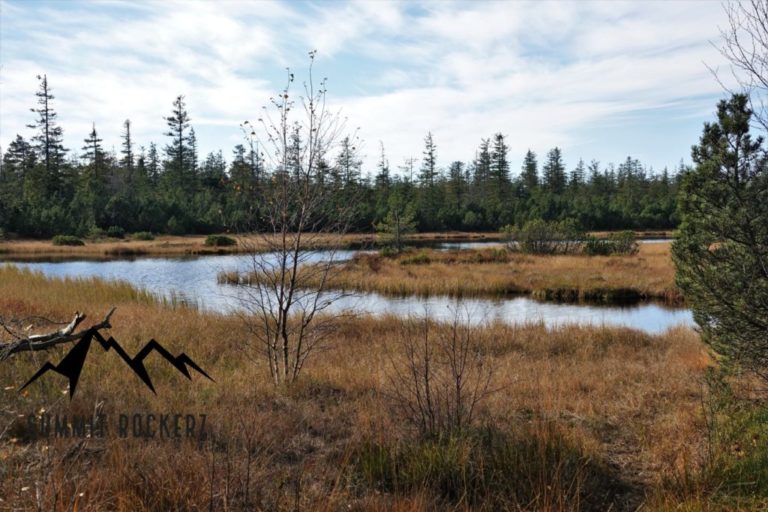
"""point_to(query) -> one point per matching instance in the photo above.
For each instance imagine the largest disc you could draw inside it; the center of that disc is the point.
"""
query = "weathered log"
(45, 341)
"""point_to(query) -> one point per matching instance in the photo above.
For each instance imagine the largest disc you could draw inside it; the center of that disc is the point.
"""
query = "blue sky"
(601, 80)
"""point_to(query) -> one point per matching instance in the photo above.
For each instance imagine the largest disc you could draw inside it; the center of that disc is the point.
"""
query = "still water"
(193, 280)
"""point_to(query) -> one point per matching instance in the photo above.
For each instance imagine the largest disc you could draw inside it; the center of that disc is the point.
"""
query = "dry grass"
(195, 244)
(646, 275)
(628, 400)
(181, 245)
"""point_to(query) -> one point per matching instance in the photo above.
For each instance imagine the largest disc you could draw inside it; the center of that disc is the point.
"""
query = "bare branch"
(46, 341)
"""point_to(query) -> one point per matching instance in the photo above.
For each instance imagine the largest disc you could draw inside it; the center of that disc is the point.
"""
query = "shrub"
(419, 258)
(623, 242)
(115, 232)
(94, 233)
(545, 237)
(219, 241)
(67, 240)
(143, 235)
(2, 234)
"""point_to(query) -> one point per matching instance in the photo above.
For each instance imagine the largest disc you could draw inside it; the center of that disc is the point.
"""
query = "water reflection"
(193, 280)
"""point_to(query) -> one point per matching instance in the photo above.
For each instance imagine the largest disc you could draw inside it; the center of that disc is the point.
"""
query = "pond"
(193, 280)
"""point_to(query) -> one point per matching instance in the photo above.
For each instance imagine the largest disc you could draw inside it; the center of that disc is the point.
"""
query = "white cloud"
(543, 73)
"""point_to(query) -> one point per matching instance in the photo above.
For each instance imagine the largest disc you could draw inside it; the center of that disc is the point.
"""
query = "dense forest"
(46, 189)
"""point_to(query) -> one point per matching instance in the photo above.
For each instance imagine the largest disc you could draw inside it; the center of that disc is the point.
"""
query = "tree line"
(47, 189)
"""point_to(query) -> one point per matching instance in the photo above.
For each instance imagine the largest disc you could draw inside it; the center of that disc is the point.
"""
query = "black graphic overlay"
(72, 364)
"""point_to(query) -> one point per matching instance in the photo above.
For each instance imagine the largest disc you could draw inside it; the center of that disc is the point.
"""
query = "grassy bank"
(195, 244)
(497, 272)
(189, 245)
(584, 419)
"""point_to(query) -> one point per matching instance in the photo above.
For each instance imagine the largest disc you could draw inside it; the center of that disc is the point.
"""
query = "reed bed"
(584, 418)
(498, 272)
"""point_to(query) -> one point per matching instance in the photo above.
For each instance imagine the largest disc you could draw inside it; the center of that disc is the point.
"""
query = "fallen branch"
(46, 341)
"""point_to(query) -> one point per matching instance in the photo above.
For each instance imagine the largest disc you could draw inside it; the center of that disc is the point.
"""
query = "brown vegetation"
(588, 417)
(646, 275)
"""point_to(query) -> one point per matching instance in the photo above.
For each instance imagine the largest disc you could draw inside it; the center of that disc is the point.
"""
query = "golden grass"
(189, 244)
(624, 397)
(194, 244)
(646, 275)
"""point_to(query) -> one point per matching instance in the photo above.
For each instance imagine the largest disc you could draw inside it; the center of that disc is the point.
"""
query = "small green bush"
(67, 240)
(143, 235)
(115, 232)
(95, 233)
(419, 258)
(219, 241)
(623, 242)
(545, 237)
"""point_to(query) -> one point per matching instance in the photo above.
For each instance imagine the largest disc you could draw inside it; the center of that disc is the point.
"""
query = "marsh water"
(193, 281)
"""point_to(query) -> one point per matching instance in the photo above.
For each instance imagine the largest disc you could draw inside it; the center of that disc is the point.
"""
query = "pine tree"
(530, 173)
(721, 252)
(554, 172)
(127, 149)
(499, 168)
(428, 171)
(179, 151)
(153, 164)
(48, 140)
(577, 175)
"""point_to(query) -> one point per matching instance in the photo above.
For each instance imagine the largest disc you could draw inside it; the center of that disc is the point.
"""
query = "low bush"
(143, 235)
(417, 258)
(67, 240)
(115, 232)
(219, 241)
(623, 242)
(545, 237)
(95, 233)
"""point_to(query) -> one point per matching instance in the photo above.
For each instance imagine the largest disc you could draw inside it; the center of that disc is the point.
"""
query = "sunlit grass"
(608, 406)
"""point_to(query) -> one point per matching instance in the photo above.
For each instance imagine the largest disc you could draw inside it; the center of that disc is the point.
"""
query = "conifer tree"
(721, 252)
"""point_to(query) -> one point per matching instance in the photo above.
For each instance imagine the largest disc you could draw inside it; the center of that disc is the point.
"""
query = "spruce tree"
(554, 172)
(48, 141)
(530, 173)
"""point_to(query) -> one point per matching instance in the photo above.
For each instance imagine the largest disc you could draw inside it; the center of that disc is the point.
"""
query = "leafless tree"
(285, 295)
(745, 45)
(440, 373)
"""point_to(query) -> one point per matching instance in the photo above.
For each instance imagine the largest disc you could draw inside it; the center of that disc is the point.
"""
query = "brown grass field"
(168, 245)
(646, 275)
(590, 419)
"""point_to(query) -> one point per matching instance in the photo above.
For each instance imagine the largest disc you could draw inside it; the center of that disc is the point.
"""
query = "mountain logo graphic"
(72, 364)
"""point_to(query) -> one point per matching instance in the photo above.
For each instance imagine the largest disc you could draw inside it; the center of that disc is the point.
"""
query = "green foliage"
(721, 252)
(417, 258)
(399, 221)
(491, 469)
(67, 240)
(95, 233)
(219, 241)
(116, 232)
(143, 235)
(542, 237)
(174, 191)
(623, 242)
(734, 470)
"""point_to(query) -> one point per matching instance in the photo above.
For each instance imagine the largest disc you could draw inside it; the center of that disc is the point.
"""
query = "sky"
(601, 80)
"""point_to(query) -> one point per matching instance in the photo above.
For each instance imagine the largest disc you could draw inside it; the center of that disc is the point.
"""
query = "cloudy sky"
(601, 80)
